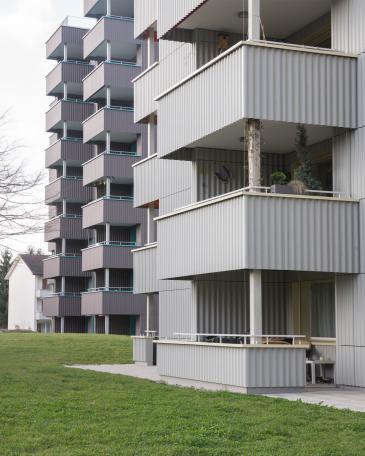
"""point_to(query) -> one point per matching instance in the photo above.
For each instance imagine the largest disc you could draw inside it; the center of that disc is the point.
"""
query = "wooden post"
(254, 153)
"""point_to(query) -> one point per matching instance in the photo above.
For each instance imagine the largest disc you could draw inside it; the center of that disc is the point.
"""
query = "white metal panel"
(348, 32)
(171, 12)
(345, 365)
(144, 266)
(177, 312)
(145, 15)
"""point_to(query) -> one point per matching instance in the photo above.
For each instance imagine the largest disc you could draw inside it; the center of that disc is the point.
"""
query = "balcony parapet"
(62, 305)
(145, 267)
(71, 150)
(65, 227)
(67, 188)
(69, 35)
(145, 12)
(69, 71)
(110, 302)
(63, 265)
(113, 255)
(74, 112)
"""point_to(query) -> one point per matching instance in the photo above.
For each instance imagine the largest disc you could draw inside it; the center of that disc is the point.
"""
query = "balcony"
(98, 8)
(71, 150)
(71, 36)
(71, 111)
(114, 164)
(243, 230)
(118, 31)
(67, 188)
(62, 305)
(116, 75)
(117, 120)
(257, 80)
(118, 211)
(68, 227)
(114, 301)
(112, 255)
(72, 72)
(145, 12)
(144, 267)
(68, 265)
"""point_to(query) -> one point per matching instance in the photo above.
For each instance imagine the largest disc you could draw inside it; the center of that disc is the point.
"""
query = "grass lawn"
(46, 409)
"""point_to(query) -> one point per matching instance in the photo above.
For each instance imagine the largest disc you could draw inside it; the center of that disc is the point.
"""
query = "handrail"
(64, 255)
(120, 108)
(327, 192)
(64, 294)
(110, 198)
(122, 18)
(122, 62)
(242, 338)
(118, 153)
(66, 216)
(77, 100)
(111, 289)
(70, 138)
(113, 244)
(78, 62)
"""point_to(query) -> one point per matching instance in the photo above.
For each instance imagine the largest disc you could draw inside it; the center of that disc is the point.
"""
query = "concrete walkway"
(340, 398)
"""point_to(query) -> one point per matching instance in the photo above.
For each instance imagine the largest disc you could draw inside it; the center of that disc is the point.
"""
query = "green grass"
(46, 409)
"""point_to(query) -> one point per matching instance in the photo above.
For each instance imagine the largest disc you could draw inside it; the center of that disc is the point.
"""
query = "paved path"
(341, 398)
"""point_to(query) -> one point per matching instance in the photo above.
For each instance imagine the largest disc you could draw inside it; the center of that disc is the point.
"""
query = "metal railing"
(121, 18)
(65, 216)
(120, 108)
(113, 244)
(122, 62)
(242, 339)
(77, 62)
(119, 153)
(64, 255)
(64, 295)
(110, 289)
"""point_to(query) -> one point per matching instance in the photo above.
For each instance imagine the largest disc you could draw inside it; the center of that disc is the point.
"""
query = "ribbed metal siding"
(63, 267)
(66, 72)
(108, 165)
(177, 311)
(63, 35)
(143, 350)
(104, 256)
(64, 228)
(145, 13)
(72, 151)
(171, 202)
(107, 303)
(171, 12)
(144, 267)
(62, 306)
(69, 189)
(348, 18)
(67, 111)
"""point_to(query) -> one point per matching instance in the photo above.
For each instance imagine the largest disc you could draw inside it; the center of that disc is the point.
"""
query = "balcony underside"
(98, 8)
(112, 303)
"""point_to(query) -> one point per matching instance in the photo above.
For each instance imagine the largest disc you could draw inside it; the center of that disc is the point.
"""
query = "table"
(318, 362)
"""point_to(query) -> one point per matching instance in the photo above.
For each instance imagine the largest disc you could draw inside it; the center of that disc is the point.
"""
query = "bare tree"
(21, 212)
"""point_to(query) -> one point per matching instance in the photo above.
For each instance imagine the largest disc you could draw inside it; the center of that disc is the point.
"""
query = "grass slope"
(46, 409)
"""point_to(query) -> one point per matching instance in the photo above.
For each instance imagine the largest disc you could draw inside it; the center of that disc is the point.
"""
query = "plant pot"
(283, 189)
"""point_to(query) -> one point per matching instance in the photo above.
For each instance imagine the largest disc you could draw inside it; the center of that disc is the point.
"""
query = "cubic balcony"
(98, 8)
(117, 75)
(71, 36)
(115, 301)
(145, 15)
(118, 211)
(70, 111)
(69, 149)
(118, 31)
(69, 227)
(68, 265)
(144, 268)
(113, 255)
(257, 80)
(62, 305)
(243, 230)
(175, 11)
(67, 188)
(72, 72)
(117, 165)
(117, 120)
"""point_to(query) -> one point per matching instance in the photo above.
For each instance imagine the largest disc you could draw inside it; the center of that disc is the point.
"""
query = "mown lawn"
(46, 409)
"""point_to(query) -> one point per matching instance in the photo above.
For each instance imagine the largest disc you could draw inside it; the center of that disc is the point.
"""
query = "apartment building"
(256, 282)
(95, 142)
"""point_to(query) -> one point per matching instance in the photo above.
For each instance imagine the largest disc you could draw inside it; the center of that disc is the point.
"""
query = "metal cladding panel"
(112, 75)
(144, 268)
(89, 5)
(66, 72)
(63, 267)
(108, 303)
(105, 256)
(145, 13)
(360, 366)
(143, 350)
(146, 88)
(171, 12)
(345, 310)
(64, 228)
(62, 306)
(244, 367)
(68, 189)
(348, 17)
(156, 178)
(71, 151)
(114, 212)
(345, 365)
(63, 35)
(301, 87)
(67, 111)
(108, 165)
(177, 311)
(175, 201)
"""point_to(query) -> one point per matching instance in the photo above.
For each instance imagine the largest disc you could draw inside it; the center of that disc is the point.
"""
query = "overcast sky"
(25, 26)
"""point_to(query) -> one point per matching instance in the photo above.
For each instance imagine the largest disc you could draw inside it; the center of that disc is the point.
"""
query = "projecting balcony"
(114, 164)
(64, 227)
(67, 188)
(62, 305)
(110, 255)
(73, 112)
(257, 80)
(98, 8)
(118, 31)
(243, 230)
(116, 75)
(112, 301)
(116, 210)
(145, 13)
(71, 150)
(72, 72)
(65, 34)
(144, 269)
(68, 265)
(118, 120)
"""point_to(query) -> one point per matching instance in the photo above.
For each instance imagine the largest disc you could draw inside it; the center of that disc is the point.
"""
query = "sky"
(25, 26)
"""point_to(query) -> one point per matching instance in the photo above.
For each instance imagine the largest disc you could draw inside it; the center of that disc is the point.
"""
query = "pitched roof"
(34, 263)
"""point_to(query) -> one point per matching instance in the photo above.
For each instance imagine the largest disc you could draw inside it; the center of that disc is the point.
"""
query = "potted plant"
(280, 183)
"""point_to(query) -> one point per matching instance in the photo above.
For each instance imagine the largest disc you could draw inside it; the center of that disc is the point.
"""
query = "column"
(148, 314)
(64, 208)
(150, 224)
(255, 305)
(107, 324)
(107, 280)
(65, 53)
(108, 51)
(53, 325)
(107, 233)
(108, 97)
(65, 91)
(64, 168)
(108, 8)
(107, 141)
(254, 153)
(63, 285)
(63, 246)
(151, 135)
(254, 20)
(65, 130)
(107, 185)
(62, 325)
(151, 47)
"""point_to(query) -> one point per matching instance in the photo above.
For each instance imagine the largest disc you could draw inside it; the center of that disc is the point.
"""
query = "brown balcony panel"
(62, 306)
(115, 75)
(74, 113)
(111, 303)
(118, 167)
(74, 152)
(71, 36)
(64, 228)
(115, 212)
(71, 190)
(106, 256)
(70, 72)
(63, 266)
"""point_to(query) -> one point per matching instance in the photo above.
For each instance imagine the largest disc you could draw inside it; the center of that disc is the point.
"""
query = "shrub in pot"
(280, 183)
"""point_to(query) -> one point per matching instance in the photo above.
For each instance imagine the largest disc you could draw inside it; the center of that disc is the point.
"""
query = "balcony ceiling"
(121, 50)
(124, 8)
(280, 18)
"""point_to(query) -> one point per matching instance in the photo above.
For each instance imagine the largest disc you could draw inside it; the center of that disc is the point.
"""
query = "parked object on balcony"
(298, 187)
(224, 174)
(280, 183)
(223, 42)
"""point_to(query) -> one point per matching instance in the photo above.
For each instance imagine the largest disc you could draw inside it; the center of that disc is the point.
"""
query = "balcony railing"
(111, 290)
(145, 269)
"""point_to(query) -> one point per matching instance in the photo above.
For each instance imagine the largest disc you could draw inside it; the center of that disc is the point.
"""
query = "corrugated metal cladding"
(117, 167)
(61, 306)
(155, 179)
(177, 312)
(63, 266)
(236, 366)
(259, 82)
(145, 15)
(107, 257)
(260, 232)
(68, 150)
(69, 189)
(64, 228)
(171, 12)
(104, 303)
(66, 71)
(67, 111)
(348, 17)
(144, 266)
(175, 201)
(64, 35)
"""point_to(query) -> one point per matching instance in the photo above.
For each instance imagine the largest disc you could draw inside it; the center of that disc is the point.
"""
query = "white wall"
(22, 299)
